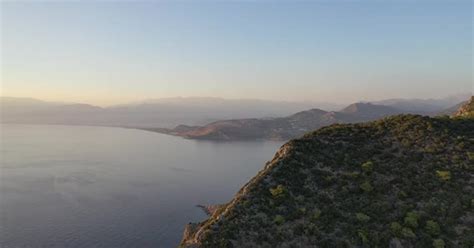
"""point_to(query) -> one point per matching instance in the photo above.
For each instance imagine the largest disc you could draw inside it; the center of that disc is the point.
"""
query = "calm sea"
(76, 186)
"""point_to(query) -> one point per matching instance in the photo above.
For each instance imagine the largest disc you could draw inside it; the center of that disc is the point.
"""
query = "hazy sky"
(106, 52)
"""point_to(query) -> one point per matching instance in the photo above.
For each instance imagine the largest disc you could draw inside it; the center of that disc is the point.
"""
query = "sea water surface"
(79, 186)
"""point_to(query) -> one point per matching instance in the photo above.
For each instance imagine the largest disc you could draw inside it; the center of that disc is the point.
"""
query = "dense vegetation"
(403, 181)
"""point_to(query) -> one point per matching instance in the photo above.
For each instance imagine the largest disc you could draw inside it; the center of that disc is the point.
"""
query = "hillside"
(403, 181)
(281, 128)
(370, 111)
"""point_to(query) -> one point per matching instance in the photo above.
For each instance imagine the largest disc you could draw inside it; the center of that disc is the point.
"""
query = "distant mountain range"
(280, 128)
(167, 112)
(295, 125)
(216, 118)
(424, 106)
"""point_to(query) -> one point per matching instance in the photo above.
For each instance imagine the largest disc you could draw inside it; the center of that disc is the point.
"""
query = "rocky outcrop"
(209, 209)
(189, 231)
(467, 110)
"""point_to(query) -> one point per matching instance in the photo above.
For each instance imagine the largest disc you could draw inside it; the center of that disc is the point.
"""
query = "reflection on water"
(72, 186)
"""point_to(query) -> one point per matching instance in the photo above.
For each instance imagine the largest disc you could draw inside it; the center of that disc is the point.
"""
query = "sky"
(108, 52)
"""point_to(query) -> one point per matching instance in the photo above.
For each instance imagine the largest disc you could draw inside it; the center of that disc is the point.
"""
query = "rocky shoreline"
(209, 209)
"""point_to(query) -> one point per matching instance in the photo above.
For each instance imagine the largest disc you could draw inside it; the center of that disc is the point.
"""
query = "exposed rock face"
(209, 209)
(467, 110)
(404, 181)
(189, 231)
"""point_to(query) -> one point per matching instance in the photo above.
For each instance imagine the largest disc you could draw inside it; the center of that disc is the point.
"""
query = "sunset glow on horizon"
(107, 53)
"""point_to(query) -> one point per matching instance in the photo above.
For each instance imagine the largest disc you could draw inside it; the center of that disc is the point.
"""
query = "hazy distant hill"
(369, 111)
(281, 128)
(20, 104)
(451, 110)
(33, 111)
(424, 106)
(402, 181)
(166, 112)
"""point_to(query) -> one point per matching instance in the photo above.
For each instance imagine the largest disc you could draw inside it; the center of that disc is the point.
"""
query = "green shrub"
(432, 228)
(367, 166)
(279, 220)
(470, 155)
(278, 192)
(300, 198)
(316, 215)
(362, 217)
(411, 219)
(366, 186)
(408, 233)
(353, 175)
(396, 228)
(402, 194)
(363, 235)
(438, 243)
(443, 175)
(301, 211)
